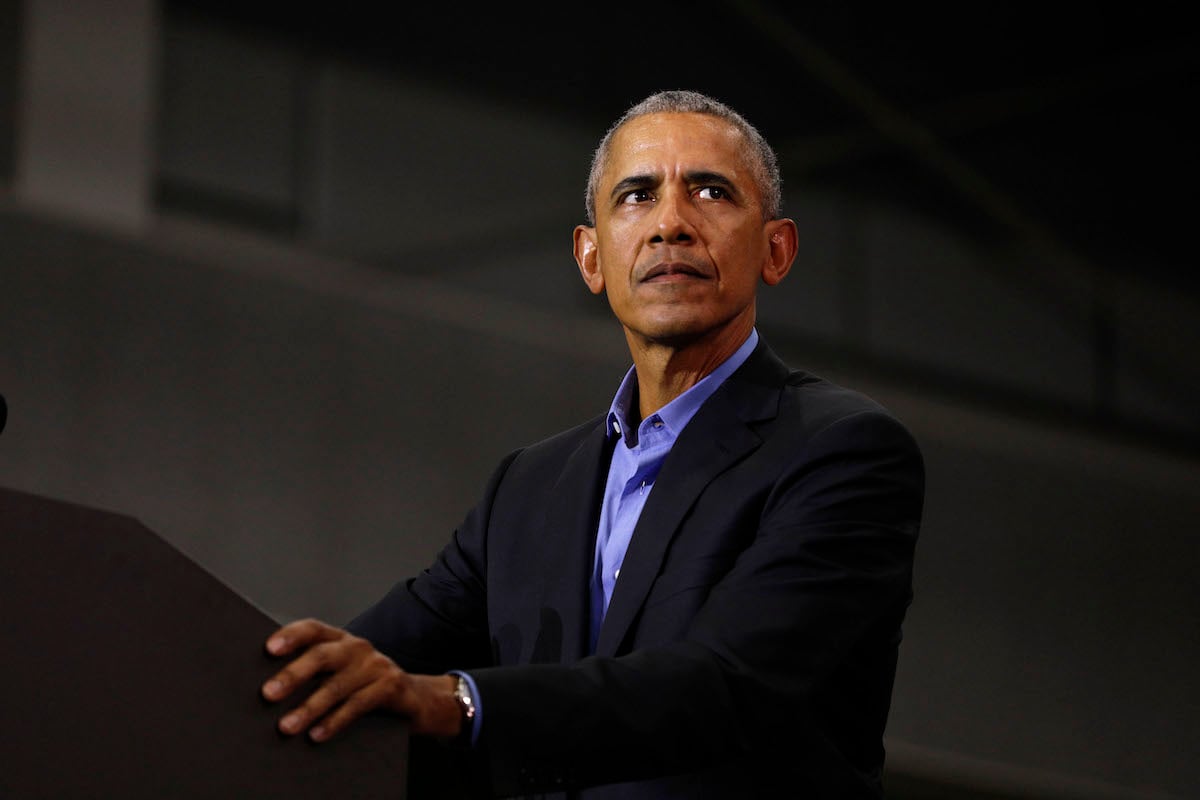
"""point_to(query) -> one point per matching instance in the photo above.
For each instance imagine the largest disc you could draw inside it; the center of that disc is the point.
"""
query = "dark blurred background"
(286, 284)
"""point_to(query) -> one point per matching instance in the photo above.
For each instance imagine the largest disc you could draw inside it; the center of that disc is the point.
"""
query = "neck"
(667, 370)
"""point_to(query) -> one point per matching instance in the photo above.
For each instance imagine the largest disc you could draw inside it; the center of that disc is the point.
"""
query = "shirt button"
(616, 574)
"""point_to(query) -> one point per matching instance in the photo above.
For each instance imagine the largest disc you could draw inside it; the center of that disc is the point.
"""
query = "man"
(698, 594)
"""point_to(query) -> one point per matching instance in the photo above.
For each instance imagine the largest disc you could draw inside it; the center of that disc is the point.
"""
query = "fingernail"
(318, 733)
(275, 644)
(290, 723)
(272, 688)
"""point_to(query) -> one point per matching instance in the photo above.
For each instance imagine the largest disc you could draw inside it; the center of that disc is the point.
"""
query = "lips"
(667, 270)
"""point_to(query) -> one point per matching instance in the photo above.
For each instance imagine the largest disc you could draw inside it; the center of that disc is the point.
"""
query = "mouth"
(669, 271)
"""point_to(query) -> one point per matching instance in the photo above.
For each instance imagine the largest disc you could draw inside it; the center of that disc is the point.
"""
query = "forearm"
(607, 719)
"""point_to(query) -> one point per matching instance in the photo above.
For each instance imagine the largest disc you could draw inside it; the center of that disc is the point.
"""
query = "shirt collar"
(677, 413)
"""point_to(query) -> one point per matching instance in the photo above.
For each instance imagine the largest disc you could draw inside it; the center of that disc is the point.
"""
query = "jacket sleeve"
(437, 621)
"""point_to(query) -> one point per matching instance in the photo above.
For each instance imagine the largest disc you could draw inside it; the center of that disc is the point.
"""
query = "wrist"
(468, 709)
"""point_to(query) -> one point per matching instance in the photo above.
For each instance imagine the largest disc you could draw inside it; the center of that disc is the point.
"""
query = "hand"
(359, 679)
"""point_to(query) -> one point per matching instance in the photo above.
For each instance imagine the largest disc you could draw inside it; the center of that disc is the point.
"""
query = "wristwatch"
(466, 708)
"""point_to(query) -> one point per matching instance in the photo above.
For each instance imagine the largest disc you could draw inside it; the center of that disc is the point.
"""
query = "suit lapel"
(571, 520)
(716, 438)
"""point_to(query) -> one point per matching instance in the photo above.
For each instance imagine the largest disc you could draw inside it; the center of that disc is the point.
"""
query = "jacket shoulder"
(805, 399)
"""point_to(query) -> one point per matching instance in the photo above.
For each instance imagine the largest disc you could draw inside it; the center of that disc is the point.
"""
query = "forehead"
(654, 144)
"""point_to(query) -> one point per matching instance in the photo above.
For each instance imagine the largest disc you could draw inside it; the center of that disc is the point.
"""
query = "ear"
(587, 256)
(782, 243)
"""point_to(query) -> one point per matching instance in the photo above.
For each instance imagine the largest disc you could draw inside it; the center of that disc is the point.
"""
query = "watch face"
(462, 693)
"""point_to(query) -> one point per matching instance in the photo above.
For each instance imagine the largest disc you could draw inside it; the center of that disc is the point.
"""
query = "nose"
(672, 223)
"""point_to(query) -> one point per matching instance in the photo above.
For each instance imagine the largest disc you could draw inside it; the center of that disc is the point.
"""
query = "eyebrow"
(709, 179)
(647, 181)
(632, 182)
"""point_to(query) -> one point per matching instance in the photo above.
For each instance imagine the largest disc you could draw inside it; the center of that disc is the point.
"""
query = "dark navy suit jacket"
(751, 642)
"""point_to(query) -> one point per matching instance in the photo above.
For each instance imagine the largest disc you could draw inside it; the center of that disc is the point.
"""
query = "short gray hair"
(766, 165)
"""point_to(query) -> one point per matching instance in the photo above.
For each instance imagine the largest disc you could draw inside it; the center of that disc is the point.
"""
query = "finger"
(365, 679)
(328, 695)
(362, 702)
(357, 668)
(299, 634)
(322, 657)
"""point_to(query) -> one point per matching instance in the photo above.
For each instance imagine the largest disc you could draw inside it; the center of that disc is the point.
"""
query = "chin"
(677, 332)
(683, 329)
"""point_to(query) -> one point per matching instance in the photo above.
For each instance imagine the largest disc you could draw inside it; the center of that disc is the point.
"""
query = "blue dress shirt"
(636, 460)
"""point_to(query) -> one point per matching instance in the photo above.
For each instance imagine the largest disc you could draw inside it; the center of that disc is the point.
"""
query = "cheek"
(617, 261)
(623, 236)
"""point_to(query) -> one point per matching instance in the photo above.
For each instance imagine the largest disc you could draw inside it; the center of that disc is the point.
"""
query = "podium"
(129, 671)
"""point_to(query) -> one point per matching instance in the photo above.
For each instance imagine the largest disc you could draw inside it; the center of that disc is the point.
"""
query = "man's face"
(679, 243)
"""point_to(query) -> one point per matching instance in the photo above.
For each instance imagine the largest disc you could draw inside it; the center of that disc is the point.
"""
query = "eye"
(636, 196)
(713, 193)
